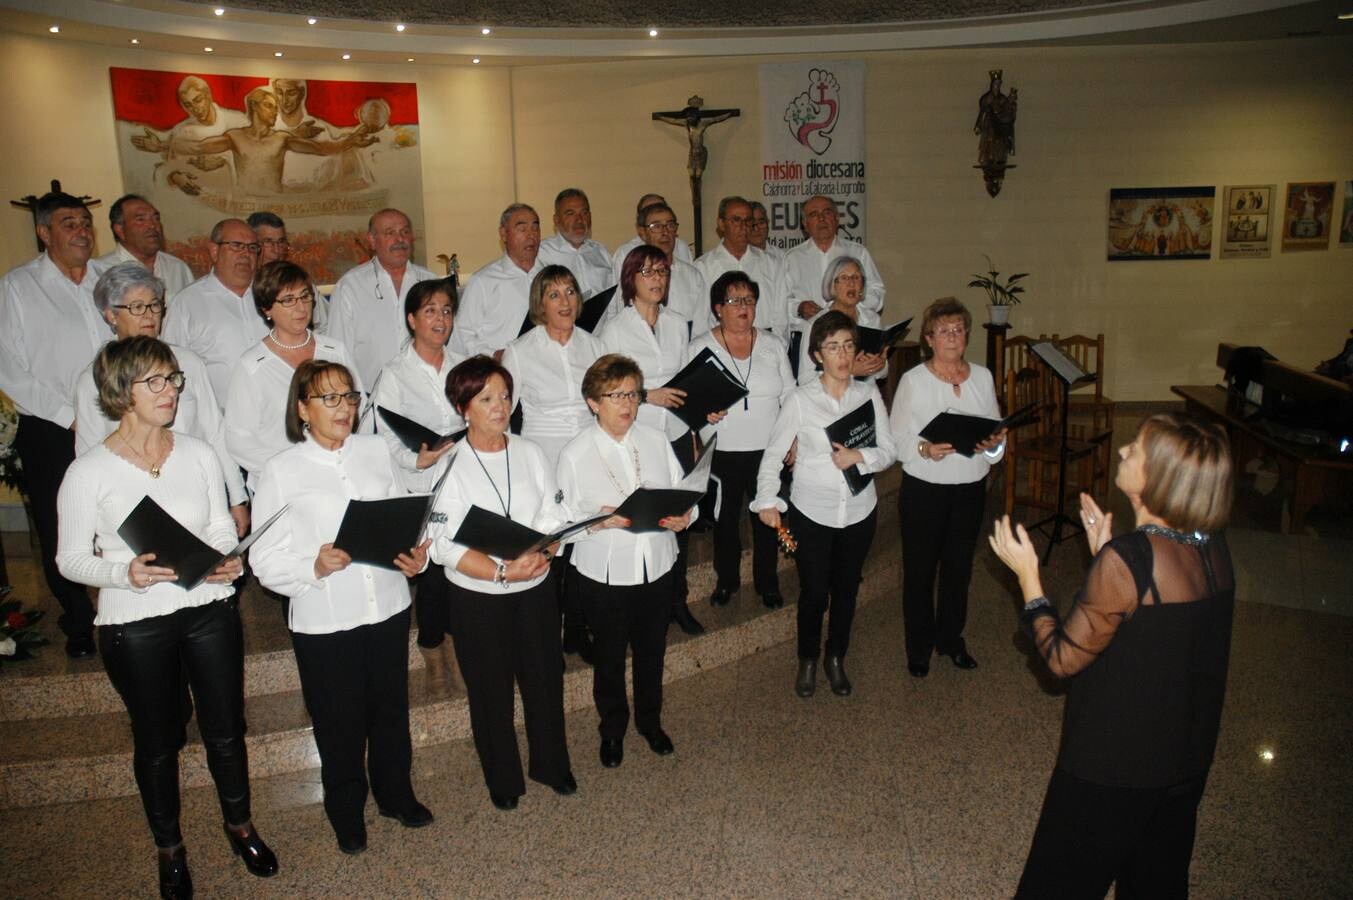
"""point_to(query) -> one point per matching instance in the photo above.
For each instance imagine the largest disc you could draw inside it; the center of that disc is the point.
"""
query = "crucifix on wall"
(695, 120)
(30, 203)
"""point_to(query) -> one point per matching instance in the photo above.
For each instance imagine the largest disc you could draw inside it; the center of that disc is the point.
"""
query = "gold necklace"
(153, 467)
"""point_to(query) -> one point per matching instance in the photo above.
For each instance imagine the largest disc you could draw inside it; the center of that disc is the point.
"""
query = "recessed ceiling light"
(311, 21)
(400, 27)
(1344, 17)
(219, 11)
(652, 32)
(347, 56)
(277, 53)
(410, 59)
(55, 29)
(207, 49)
(475, 60)
(486, 30)
(136, 40)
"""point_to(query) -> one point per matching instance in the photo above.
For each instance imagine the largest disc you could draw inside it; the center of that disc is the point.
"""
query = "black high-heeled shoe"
(176, 882)
(258, 859)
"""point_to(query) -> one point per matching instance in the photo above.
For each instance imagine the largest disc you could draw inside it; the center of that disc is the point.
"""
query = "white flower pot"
(1000, 315)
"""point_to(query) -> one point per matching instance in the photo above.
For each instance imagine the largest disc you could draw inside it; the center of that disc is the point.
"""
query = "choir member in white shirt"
(649, 333)
(131, 300)
(495, 301)
(504, 615)
(736, 253)
(140, 239)
(153, 632)
(366, 309)
(624, 576)
(215, 316)
(413, 385)
(682, 250)
(572, 245)
(804, 264)
(833, 527)
(759, 233)
(49, 330)
(256, 404)
(687, 295)
(843, 287)
(760, 361)
(943, 492)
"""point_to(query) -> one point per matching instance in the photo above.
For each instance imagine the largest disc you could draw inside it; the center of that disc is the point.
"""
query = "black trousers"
(1090, 835)
(501, 638)
(736, 471)
(830, 563)
(146, 661)
(356, 689)
(684, 447)
(46, 450)
(625, 617)
(431, 605)
(940, 524)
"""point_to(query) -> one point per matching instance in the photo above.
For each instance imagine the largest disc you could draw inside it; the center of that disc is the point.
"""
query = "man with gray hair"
(140, 238)
(274, 244)
(572, 245)
(736, 253)
(494, 303)
(680, 250)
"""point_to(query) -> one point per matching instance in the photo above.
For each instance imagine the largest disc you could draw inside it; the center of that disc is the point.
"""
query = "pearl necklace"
(309, 336)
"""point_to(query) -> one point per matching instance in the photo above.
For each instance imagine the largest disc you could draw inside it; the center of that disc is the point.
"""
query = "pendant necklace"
(750, 357)
(638, 472)
(507, 459)
(153, 468)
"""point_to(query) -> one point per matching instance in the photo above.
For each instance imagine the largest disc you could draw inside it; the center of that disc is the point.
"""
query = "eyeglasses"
(140, 309)
(240, 246)
(306, 296)
(351, 398)
(662, 226)
(760, 223)
(951, 331)
(838, 347)
(655, 271)
(852, 278)
(625, 396)
(747, 300)
(155, 383)
(274, 242)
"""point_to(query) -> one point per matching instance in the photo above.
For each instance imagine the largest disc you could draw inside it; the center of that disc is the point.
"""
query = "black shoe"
(835, 668)
(720, 597)
(773, 599)
(687, 622)
(258, 859)
(612, 752)
(505, 802)
(659, 742)
(963, 660)
(567, 786)
(805, 683)
(176, 882)
(353, 842)
(78, 646)
(918, 670)
(415, 815)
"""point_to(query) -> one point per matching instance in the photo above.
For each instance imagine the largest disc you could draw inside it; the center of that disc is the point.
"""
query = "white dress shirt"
(590, 263)
(776, 255)
(198, 415)
(767, 377)
(215, 323)
(801, 277)
(173, 271)
(49, 330)
(256, 405)
(595, 471)
(681, 250)
(921, 397)
(808, 368)
(758, 266)
(660, 353)
(415, 390)
(101, 489)
(493, 306)
(366, 314)
(517, 478)
(547, 380)
(819, 489)
(687, 296)
(318, 483)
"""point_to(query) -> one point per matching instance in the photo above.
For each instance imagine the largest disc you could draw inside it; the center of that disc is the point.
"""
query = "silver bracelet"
(500, 576)
(1037, 603)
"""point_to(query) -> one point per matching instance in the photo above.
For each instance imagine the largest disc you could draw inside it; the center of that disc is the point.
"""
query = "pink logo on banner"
(812, 115)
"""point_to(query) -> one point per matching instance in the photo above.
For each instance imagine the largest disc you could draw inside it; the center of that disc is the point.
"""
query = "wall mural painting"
(1346, 220)
(1306, 223)
(1160, 223)
(1248, 225)
(323, 155)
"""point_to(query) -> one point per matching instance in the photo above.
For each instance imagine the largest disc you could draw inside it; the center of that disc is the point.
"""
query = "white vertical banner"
(812, 142)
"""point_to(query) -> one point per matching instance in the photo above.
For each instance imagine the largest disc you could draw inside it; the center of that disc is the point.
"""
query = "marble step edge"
(79, 779)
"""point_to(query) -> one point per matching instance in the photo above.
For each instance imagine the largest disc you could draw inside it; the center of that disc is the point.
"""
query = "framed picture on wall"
(1346, 219)
(1247, 228)
(1307, 219)
(1160, 223)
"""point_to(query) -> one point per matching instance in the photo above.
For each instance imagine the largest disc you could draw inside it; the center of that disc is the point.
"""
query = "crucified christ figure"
(695, 120)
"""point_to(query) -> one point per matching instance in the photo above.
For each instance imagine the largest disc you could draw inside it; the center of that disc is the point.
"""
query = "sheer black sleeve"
(1070, 644)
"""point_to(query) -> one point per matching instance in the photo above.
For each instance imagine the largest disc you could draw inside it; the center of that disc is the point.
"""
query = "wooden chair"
(1033, 453)
(1012, 355)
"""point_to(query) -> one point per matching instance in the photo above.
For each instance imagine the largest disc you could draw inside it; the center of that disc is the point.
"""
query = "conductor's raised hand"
(331, 560)
(1015, 549)
(412, 563)
(142, 574)
(1098, 524)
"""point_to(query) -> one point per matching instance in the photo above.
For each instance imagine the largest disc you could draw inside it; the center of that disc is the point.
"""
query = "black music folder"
(966, 431)
(593, 308)
(709, 388)
(854, 430)
(499, 536)
(414, 435)
(646, 507)
(878, 340)
(149, 529)
(376, 531)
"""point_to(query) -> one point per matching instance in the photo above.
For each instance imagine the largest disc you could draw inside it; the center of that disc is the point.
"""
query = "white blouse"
(659, 351)
(819, 489)
(765, 374)
(415, 390)
(921, 397)
(215, 323)
(596, 470)
(256, 407)
(517, 479)
(808, 368)
(101, 489)
(547, 380)
(318, 483)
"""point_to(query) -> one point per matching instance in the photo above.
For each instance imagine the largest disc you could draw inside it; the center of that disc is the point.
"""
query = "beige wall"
(1090, 119)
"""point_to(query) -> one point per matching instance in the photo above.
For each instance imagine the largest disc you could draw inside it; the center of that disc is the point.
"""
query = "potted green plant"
(1001, 295)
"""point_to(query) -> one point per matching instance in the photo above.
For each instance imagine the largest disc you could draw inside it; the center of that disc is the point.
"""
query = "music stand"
(1069, 373)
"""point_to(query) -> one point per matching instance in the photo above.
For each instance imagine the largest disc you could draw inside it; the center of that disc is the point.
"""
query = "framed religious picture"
(1160, 223)
(1346, 218)
(1308, 217)
(1247, 227)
